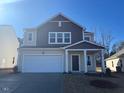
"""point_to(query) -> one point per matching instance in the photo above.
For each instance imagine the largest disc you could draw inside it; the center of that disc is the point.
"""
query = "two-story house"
(59, 45)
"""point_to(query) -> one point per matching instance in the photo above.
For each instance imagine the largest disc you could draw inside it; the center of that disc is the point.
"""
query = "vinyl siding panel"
(43, 31)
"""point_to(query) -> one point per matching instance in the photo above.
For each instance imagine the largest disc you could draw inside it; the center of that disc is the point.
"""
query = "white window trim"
(79, 62)
(70, 38)
(49, 37)
(56, 38)
(88, 37)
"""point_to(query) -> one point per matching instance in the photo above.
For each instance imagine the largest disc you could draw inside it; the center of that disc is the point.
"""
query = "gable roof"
(84, 45)
(61, 17)
(116, 55)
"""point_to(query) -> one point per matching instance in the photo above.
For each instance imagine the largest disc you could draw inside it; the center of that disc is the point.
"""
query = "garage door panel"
(42, 63)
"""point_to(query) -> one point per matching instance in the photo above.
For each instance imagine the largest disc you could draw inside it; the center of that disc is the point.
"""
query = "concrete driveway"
(31, 83)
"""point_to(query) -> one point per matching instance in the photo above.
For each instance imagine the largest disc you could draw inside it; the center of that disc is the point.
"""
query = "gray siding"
(42, 33)
(90, 34)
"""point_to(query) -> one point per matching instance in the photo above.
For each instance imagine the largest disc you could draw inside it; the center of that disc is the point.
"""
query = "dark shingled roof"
(59, 17)
(85, 45)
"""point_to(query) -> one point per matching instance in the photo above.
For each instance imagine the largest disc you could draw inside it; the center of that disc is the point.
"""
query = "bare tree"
(120, 45)
(117, 46)
(104, 38)
(114, 49)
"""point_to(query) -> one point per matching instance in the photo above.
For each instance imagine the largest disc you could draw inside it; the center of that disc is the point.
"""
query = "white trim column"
(85, 61)
(66, 61)
(102, 59)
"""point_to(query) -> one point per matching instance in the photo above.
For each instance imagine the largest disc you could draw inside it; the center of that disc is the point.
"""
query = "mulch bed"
(103, 84)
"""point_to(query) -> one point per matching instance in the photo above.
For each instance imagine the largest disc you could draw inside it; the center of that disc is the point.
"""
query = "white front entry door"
(42, 63)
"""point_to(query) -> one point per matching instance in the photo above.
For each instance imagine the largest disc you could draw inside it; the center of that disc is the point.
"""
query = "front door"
(75, 63)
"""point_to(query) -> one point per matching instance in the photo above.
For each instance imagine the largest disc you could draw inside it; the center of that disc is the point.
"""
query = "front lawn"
(77, 83)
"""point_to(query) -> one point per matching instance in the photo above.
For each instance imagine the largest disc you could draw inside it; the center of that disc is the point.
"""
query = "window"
(112, 64)
(30, 36)
(13, 61)
(52, 37)
(88, 60)
(67, 37)
(59, 37)
(87, 38)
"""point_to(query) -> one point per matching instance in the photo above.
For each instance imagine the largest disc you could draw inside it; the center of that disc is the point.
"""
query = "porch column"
(102, 60)
(85, 61)
(66, 61)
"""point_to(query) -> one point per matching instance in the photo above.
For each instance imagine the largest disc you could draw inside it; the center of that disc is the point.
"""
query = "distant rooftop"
(116, 55)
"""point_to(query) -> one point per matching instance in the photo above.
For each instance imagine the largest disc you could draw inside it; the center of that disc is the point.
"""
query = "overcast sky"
(104, 15)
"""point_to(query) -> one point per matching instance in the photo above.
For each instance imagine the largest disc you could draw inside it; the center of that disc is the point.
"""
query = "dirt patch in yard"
(101, 75)
(80, 83)
(103, 84)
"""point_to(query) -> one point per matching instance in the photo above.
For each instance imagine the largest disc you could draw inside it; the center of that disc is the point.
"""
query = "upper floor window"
(87, 38)
(52, 37)
(30, 35)
(59, 37)
(67, 37)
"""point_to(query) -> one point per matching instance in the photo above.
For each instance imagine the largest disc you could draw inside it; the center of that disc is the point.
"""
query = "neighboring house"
(116, 60)
(8, 47)
(59, 45)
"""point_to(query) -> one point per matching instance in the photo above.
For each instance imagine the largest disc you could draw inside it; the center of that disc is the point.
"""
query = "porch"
(81, 57)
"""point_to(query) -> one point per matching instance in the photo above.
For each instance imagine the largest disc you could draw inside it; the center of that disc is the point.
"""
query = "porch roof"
(84, 45)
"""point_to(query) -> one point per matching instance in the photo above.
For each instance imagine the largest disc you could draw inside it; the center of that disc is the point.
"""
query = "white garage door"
(42, 63)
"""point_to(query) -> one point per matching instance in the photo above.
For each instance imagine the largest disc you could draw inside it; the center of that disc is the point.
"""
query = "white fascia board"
(40, 49)
(82, 42)
(83, 49)
(73, 44)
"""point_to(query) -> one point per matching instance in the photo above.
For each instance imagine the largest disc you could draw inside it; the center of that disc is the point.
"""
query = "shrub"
(108, 72)
(118, 69)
